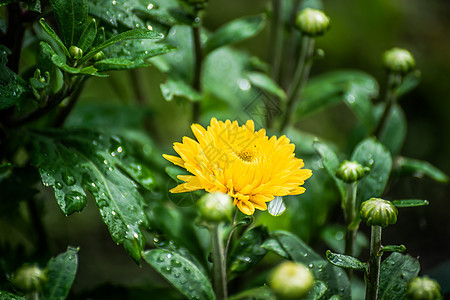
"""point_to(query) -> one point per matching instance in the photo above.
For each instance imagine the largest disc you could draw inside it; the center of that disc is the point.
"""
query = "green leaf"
(61, 272)
(74, 160)
(355, 88)
(12, 87)
(265, 83)
(370, 152)
(261, 293)
(178, 88)
(54, 36)
(396, 272)
(291, 247)
(72, 16)
(235, 31)
(88, 36)
(331, 163)
(10, 296)
(416, 167)
(181, 273)
(127, 35)
(319, 289)
(409, 82)
(392, 248)
(247, 252)
(346, 261)
(410, 203)
(394, 133)
(59, 62)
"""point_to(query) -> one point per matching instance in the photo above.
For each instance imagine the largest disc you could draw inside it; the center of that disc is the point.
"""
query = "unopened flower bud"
(351, 171)
(424, 288)
(75, 52)
(378, 212)
(312, 22)
(29, 278)
(291, 280)
(98, 56)
(398, 60)
(216, 207)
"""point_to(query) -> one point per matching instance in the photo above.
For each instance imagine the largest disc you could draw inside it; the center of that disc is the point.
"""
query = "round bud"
(98, 56)
(312, 22)
(423, 288)
(216, 207)
(378, 212)
(291, 280)
(75, 52)
(351, 171)
(398, 60)
(28, 278)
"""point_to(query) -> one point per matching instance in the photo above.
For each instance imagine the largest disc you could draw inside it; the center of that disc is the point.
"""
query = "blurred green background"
(360, 32)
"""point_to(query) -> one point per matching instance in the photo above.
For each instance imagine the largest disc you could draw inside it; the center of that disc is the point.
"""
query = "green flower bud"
(216, 207)
(378, 212)
(398, 60)
(291, 280)
(98, 56)
(75, 52)
(351, 171)
(312, 22)
(424, 288)
(29, 278)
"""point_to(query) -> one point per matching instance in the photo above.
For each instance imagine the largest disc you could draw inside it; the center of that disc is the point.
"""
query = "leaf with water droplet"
(181, 273)
(346, 261)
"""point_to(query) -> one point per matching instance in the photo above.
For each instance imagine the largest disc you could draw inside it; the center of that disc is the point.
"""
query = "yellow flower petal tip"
(241, 162)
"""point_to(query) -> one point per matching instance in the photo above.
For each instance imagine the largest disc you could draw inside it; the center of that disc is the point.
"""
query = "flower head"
(378, 212)
(398, 60)
(312, 22)
(291, 280)
(241, 162)
(424, 288)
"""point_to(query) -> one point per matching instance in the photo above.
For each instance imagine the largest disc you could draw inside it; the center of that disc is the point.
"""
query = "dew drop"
(276, 207)
(177, 275)
(58, 185)
(248, 259)
(244, 84)
(169, 255)
(305, 255)
(150, 6)
(166, 269)
(311, 265)
(68, 179)
(175, 263)
(187, 270)
(160, 259)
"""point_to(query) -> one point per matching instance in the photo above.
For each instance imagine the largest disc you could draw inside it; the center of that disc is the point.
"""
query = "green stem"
(394, 80)
(373, 276)
(218, 258)
(350, 214)
(300, 78)
(198, 62)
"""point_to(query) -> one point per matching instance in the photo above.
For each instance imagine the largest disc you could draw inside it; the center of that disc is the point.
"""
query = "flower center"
(247, 155)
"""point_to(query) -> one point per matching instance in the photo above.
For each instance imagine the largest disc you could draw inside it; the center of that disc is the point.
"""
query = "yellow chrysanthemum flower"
(236, 160)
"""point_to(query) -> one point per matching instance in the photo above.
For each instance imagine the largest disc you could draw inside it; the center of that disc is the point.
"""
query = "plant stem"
(218, 258)
(73, 98)
(300, 78)
(373, 276)
(198, 62)
(390, 100)
(350, 214)
(36, 221)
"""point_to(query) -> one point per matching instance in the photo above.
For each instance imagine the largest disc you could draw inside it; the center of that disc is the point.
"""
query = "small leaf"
(371, 153)
(346, 261)
(178, 88)
(265, 83)
(54, 36)
(396, 272)
(71, 16)
(88, 36)
(247, 252)
(127, 35)
(12, 87)
(61, 272)
(261, 293)
(420, 168)
(319, 289)
(394, 133)
(410, 203)
(392, 248)
(181, 273)
(409, 82)
(4, 295)
(235, 31)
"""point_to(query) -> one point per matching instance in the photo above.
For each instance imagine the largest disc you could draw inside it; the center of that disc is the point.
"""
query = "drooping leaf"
(72, 16)
(396, 272)
(346, 261)
(410, 203)
(247, 252)
(355, 88)
(61, 272)
(416, 167)
(181, 273)
(291, 247)
(12, 87)
(265, 83)
(75, 160)
(235, 31)
(409, 82)
(372, 153)
(127, 35)
(88, 36)
(54, 36)
(394, 133)
(331, 163)
(178, 88)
